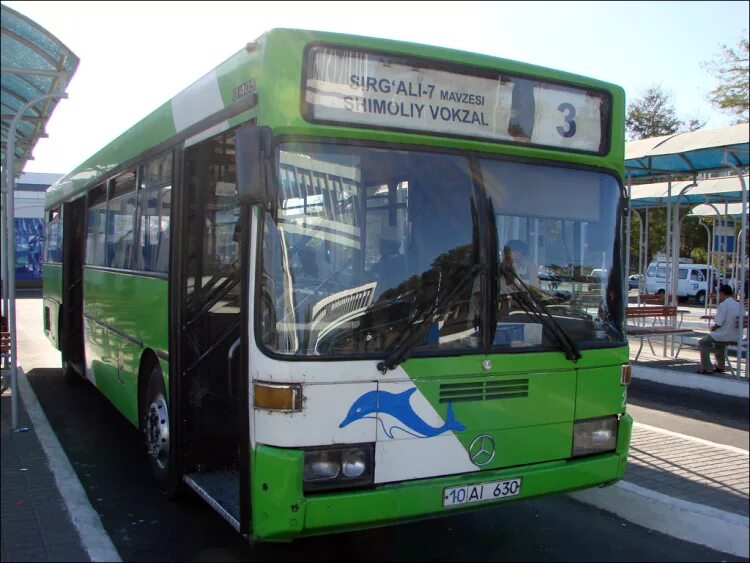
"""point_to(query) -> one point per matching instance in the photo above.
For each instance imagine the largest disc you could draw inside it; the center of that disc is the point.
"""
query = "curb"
(721, 386)
(94, 539)
(696, 523)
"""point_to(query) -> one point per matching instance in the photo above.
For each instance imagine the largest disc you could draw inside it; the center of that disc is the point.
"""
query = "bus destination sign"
(359, 88)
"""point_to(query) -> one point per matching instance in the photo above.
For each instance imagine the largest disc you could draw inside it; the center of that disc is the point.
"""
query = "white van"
(692, 280)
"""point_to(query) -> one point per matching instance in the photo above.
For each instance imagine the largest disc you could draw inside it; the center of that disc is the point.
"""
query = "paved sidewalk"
(682, 486)
(690, 469)
(36, 525)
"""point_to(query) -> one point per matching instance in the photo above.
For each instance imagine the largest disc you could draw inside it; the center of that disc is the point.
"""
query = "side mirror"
(254, 146)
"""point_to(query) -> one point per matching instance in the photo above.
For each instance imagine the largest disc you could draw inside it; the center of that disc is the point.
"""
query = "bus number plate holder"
(481, 492)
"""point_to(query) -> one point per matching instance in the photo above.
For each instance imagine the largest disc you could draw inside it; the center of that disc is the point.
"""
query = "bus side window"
(161, 248)
(53, 248)
(96, 225)
(154, 194)
(121, 221)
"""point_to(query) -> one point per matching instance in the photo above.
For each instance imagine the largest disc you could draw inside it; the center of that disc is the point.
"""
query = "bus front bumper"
(281, 512)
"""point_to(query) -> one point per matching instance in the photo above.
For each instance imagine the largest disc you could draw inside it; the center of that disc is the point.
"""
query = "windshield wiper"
(526, 297)
(413, 335)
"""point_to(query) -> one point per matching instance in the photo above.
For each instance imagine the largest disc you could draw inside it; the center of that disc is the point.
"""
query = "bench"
(659, 313)
(652, 298)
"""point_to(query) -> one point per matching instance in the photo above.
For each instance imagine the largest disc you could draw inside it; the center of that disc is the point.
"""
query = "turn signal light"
(278, 397)
(626, 374)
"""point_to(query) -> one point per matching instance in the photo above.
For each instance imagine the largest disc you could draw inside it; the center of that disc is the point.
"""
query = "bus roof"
(244, 86)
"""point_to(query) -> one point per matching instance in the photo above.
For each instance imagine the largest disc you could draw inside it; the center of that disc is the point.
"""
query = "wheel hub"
(157, 431)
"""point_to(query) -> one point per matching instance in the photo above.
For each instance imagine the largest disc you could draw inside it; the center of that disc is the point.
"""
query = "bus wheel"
(701, 297)
(155, 424)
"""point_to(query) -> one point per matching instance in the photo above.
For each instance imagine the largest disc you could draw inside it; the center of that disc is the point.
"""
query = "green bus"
(341, 282)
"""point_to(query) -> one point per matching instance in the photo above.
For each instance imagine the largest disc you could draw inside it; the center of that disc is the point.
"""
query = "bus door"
(208, 281)
(71, 335)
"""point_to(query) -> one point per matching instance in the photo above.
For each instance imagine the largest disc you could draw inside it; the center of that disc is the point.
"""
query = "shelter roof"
(686, 153)
(34, 63)
(714, 190)
(704, 210)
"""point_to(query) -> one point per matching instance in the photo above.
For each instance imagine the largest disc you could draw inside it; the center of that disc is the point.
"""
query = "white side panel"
(414, 415)
(324, 409)
(414, 441)
(398, 460)
(197, 102)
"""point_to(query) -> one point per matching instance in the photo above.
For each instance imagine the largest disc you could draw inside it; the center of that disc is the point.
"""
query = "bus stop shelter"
(672, 165)
(36, 70)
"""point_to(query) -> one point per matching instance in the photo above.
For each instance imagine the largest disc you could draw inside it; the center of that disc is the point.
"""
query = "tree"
(730, 67)
(652, 115)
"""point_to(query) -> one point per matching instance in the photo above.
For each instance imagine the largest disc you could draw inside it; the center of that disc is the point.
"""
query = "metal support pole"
(640, 256)
(713, 252)
(645, 245)
(676, 251)
(708, 252)
(10, 243)
(667, 256)
(725, 250)
(743, 257)
(4, 252)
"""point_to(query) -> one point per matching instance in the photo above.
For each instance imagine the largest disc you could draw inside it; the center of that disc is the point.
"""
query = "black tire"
(701, 297)
(154, 417)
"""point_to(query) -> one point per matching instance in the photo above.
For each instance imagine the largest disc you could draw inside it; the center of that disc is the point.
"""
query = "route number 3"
(570, 114)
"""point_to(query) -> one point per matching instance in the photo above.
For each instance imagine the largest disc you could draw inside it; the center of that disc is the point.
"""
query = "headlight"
(353, 463)
(594, 436)
(338, 467)
(321, 466)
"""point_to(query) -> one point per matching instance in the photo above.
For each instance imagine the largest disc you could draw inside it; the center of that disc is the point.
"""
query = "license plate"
(481, 492)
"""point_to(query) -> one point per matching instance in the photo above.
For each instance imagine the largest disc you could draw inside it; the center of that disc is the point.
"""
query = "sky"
(134, 56)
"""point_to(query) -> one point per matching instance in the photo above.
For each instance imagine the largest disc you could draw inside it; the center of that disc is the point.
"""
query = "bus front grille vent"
(484, 390)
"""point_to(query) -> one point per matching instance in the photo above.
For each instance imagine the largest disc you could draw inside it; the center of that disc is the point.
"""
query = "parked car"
(634, 281)
(691, 283)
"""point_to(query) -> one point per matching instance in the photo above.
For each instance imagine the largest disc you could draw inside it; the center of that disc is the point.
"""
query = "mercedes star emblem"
(482, 450)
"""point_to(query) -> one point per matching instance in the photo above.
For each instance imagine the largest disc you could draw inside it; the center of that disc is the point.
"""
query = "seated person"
(308, 264)
(515, 259)
(390, 268)
(524, 266)
(725, 331)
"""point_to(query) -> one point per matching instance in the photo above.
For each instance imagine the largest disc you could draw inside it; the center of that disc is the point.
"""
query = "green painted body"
(127, 315)
(118, 305)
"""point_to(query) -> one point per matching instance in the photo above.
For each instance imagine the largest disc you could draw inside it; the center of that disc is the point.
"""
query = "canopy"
(34, 63)
(704, 210)
(686, 153)
(713, 190)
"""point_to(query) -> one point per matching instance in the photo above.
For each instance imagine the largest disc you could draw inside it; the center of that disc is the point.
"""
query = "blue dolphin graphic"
(398, 406)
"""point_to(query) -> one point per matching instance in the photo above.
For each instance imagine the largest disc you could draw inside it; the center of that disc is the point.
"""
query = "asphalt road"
(105, 451)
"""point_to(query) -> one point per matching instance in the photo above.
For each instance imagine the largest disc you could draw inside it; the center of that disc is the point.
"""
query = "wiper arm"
(412, 337)
(569, 347)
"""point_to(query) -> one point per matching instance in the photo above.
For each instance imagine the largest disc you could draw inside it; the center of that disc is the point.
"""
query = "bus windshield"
(366, 241)
(556, 236)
